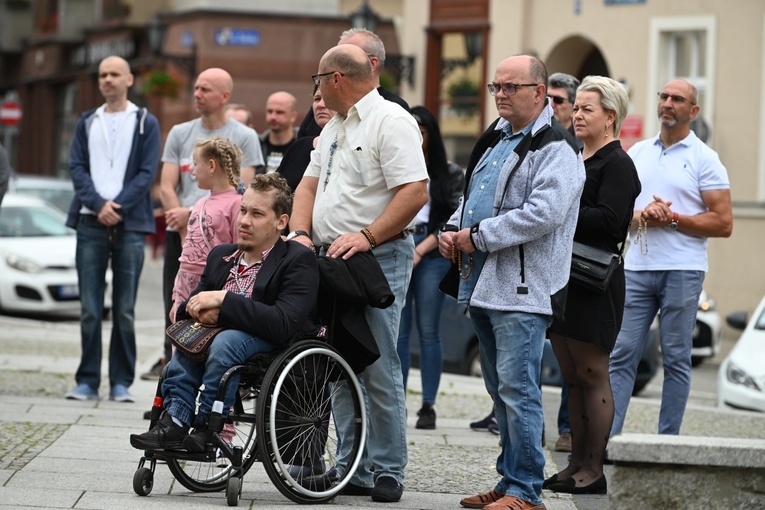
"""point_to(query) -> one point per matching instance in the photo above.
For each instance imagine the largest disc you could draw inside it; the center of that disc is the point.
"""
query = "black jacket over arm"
(284, 295)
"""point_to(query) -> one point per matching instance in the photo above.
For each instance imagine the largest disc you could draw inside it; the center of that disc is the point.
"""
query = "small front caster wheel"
(233, 491)
(143, 481)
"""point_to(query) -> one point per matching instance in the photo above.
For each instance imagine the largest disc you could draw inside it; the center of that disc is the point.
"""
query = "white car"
(54, 190)
(37, 259)
(707, 334)
(741, 378)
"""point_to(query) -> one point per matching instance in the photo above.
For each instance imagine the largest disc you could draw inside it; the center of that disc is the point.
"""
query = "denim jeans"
(675, 294)
(426, 300)
(185, 375)
(383, 385)
(96, 244)
(563, 423)
(511, 345)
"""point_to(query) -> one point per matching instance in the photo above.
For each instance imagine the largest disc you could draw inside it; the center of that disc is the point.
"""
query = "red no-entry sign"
(10, 113)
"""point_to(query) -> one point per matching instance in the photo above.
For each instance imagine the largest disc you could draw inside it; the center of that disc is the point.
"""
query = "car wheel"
(697, 360)
(474, 362)
(106, 314)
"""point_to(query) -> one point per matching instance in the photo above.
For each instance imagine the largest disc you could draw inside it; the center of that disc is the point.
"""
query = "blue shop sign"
(237, 37)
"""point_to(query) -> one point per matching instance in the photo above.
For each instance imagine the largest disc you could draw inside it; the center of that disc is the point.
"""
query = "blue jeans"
(511, 345)
(383, 385)
(96, 244)
(427, 300)
(676, 295)
(563, 424)
(185, 375)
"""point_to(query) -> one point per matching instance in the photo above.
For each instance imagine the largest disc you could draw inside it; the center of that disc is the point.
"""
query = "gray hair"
(372, 44)
(613, 97)
(565, 81)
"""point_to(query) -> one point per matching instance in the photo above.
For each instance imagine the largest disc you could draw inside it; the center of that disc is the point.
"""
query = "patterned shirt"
(241, 278)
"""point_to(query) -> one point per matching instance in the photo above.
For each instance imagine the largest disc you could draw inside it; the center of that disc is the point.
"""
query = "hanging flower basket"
(159, 83)
(464, 95)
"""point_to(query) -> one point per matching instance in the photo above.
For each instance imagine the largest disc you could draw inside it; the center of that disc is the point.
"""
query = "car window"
(32, 222)
(61, 198)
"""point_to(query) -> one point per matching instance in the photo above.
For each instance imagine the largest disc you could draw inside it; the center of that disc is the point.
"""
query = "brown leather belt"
(395, 237)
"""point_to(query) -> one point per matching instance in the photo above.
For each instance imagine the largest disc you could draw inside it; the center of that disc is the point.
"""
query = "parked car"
(54, 190)
(460, 348)
(707, 335)
(741, 376)
(37, 259)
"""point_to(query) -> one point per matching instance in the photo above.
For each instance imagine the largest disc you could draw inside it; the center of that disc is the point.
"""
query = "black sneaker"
(427, 417)
(155, 371)
(196, 442)
(165, 435)
(484, 423)
(387, 490)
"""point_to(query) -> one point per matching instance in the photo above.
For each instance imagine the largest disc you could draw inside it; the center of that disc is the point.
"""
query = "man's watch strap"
(297, 233)
(675, 223)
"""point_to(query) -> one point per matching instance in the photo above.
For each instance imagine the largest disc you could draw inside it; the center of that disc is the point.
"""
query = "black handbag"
(592, 268)
(192, 338)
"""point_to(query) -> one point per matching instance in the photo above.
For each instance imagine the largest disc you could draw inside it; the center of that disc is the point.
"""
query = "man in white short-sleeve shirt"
(685, 200)
(365, 184)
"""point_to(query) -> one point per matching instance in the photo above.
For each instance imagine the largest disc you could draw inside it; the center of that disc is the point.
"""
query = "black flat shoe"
(599, 486)
(547, 483)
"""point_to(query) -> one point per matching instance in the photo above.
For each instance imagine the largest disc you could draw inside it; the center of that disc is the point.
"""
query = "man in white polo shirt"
(685, 200)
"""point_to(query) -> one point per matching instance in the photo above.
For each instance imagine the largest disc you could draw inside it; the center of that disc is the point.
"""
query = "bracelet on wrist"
(370, 237)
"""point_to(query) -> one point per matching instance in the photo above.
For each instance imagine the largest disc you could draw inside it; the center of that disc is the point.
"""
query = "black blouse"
(608, 198)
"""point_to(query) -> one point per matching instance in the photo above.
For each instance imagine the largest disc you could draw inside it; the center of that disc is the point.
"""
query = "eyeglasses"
(663, 96)
(508, 88)
(557, 99)
(317, 77)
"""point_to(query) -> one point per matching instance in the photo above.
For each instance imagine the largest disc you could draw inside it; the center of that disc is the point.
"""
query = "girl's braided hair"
(225, 153)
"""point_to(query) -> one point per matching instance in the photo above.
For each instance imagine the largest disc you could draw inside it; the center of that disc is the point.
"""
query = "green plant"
(464, 94)
(160, 83)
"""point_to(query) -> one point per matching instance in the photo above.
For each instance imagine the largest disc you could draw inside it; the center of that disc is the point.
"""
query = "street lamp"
(473, 49)
(156, 31)
(365, 17)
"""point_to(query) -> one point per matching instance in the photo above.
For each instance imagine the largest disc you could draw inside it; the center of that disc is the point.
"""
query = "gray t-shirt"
(179, 149)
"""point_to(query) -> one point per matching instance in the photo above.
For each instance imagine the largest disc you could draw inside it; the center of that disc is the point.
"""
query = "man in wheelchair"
(262, 289)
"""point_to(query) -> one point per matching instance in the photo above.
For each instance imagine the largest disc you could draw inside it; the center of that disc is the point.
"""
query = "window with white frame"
(683, 47)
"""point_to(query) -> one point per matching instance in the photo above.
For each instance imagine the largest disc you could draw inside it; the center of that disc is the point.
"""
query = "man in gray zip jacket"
(514, 231)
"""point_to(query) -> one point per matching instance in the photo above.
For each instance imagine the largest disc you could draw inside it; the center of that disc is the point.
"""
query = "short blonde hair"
(613, 97)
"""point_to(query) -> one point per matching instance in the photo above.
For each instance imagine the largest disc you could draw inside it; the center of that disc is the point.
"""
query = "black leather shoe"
(355, 490)
(387, 490)
(165, 435)
(553, 479)
(196, 442)
(599, 486)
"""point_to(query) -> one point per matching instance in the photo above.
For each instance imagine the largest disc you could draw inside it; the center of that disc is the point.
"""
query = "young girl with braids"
(213, 218)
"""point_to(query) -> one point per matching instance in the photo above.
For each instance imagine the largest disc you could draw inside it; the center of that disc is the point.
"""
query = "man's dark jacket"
(347, 288)
(284, 295)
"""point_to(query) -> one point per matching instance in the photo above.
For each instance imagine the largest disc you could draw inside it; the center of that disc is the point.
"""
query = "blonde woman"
(584, 340)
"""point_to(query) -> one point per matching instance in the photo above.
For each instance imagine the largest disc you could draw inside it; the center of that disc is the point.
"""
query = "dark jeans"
(96, 244)
(170, 268)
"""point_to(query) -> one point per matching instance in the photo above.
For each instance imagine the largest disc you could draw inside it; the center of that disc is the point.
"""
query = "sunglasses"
(557, 99)
(663, 96)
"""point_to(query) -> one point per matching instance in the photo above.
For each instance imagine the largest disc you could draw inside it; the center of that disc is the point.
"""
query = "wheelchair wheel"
(143, 481)
(299, 417)
(212, 475)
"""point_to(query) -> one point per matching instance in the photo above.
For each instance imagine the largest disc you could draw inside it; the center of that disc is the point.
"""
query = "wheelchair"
(283, 417)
